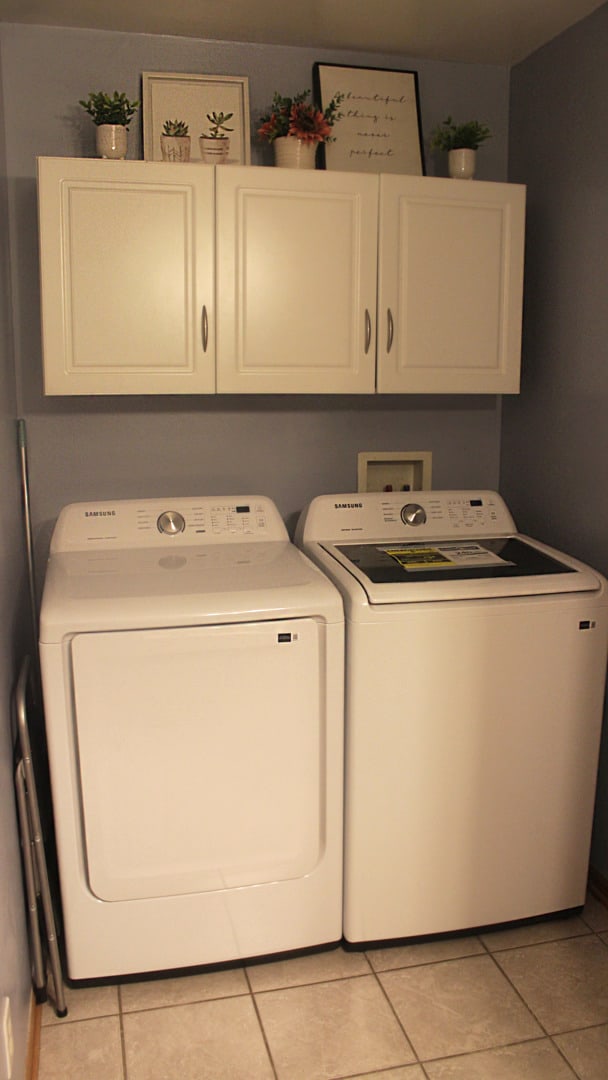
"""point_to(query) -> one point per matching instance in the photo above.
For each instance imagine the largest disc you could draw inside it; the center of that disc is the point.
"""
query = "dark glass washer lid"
(395, 562)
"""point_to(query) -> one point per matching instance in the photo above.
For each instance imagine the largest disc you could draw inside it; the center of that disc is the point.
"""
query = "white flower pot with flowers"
(294, 126)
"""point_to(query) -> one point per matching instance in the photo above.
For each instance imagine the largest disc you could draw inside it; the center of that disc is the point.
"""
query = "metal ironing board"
(36, 876)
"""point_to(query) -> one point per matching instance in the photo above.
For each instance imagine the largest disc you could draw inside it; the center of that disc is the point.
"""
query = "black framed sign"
(380, 128)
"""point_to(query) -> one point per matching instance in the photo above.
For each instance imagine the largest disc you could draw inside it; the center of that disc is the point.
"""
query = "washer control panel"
(167, 523)
(379, 515)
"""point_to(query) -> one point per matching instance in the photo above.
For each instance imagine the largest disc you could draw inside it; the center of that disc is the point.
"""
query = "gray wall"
(554, 470)
(288, 448)
(14, 965)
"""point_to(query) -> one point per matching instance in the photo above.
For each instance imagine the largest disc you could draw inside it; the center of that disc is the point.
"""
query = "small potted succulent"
(461, 141)
(175, 141)
(215, 142)
(111, 115)
(294, 126)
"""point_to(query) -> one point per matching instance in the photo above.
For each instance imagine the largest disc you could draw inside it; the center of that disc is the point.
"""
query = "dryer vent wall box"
(476, 661)
(193, 668)
(394, 470)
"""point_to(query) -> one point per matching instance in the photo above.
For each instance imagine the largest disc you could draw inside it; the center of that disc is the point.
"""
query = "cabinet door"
(127, 274)
(450, 286)
(296, 281)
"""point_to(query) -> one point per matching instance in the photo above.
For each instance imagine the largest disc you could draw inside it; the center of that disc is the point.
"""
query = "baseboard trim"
(598, 886)
(32, 1060)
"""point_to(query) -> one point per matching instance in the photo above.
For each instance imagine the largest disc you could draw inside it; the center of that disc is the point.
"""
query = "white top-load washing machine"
(475, 671)
(192, 666)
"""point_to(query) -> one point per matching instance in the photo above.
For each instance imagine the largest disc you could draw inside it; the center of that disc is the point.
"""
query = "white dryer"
(192, 667)
(475, 668)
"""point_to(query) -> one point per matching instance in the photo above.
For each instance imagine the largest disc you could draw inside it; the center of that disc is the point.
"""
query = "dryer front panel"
(200, 756)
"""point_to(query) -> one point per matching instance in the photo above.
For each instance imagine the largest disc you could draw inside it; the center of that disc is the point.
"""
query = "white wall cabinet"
(127, 255)
(450, 283)
(184, 279)
(296, 281)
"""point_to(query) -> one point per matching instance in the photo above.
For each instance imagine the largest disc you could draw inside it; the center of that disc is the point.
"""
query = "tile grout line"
(123, 1041)
(527, 1007)
(261, 1025)
(394, 1012)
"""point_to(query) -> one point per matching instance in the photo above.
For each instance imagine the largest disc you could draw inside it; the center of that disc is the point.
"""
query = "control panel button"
(171, 523)
(413, 514)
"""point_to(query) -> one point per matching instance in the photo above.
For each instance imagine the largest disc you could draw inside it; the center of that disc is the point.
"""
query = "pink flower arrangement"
(299, 118)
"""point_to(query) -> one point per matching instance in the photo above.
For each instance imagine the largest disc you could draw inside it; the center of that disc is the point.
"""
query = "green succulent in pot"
(106, 109)
(176, 128)
(218, 125)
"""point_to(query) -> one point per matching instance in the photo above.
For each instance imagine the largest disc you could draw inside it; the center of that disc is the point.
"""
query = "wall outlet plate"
(394, 470)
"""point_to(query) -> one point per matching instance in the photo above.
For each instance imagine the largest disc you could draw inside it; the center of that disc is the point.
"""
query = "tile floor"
(521, 1004)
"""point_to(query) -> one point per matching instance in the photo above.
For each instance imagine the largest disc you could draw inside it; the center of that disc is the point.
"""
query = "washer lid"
(475, 567)
(140, 588)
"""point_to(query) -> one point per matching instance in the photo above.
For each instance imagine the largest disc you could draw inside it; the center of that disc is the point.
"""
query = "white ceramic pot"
(214, 151)
(175, 147)
(293, 153)
(461, 163)
(111, 140)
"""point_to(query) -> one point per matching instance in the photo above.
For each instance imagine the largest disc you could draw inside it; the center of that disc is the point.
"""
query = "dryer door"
(201, 756)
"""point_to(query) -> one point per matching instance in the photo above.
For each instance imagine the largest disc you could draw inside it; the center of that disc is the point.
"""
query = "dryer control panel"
(396, 516)
(167, 523)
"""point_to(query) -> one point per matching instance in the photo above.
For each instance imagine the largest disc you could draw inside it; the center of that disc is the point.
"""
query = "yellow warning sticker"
(443, 555)
(420, 558)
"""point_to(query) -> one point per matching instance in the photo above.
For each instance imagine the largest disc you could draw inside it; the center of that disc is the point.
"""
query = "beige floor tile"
(427, 952)
(535, 933)
(457, 1006)
(526, 1061)
(81, 1050)
(209, 1040)
(181, 991)
(332, 1029)
(587, 1051)
(83, 1003)
(300, 970)
(595, 913)
(565, 983)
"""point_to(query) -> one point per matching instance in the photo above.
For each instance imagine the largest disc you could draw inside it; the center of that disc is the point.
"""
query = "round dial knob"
(171, 523)
(413, 514)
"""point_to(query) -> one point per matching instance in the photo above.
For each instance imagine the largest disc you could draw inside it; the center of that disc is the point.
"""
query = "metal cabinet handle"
(368, 331)
(205, 328)
(390, 330)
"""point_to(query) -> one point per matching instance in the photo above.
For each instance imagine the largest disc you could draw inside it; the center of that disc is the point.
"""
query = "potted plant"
(175, 141)
(215, 142)
(111, 115)
(295, 127)
(461, 141)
